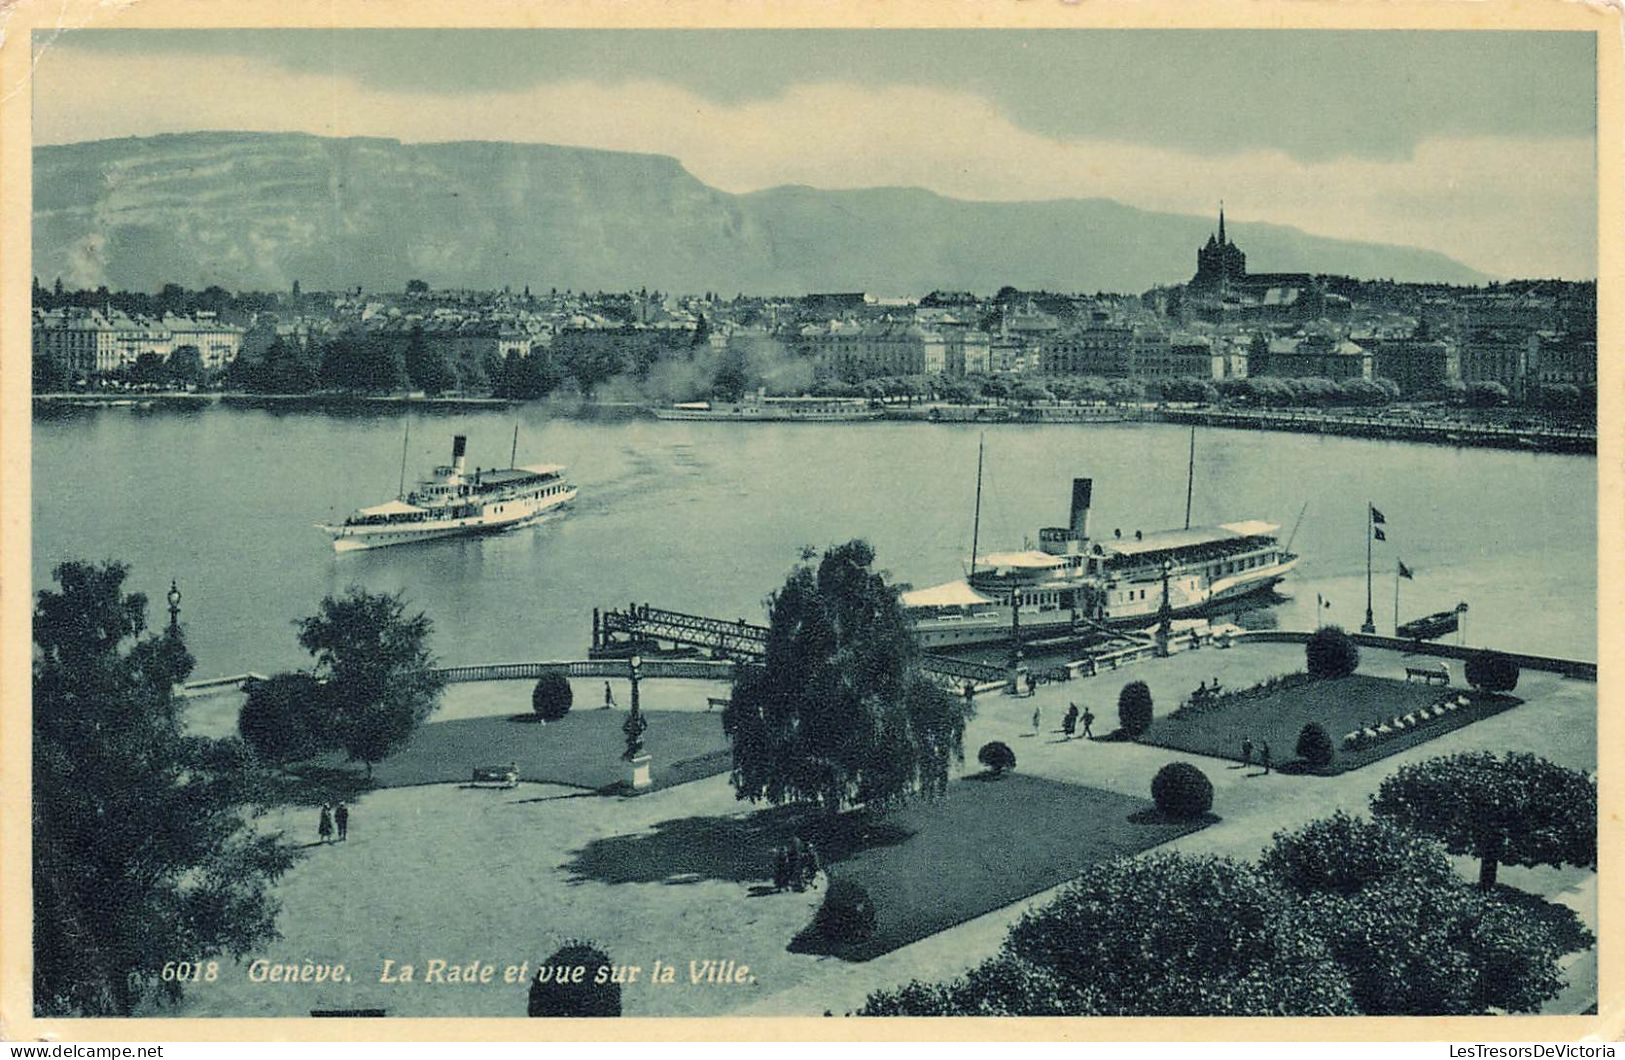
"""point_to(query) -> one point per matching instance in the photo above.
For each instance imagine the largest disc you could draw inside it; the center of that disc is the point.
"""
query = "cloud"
(1508, 206)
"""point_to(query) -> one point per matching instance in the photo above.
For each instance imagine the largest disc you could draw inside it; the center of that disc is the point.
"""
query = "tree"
(996, 757)
(1003, 986)
(1344, 855)
(1181, 790)
(732, 375)
(284, 718)
(1413, 938)
(185, 366)
(1315, 745)
(1173, 935)
(1134, 708)
(552, 696)
(141, 851)
(377, 667)
(578, 980)
(1516, 809)
(417, 287)
(426, 366)
(148, 369)
(1331, 653)
(1491, 671)
(50, 374)
(526, 376)
(839, 712)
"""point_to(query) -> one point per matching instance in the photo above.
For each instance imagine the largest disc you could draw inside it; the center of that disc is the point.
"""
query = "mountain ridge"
(260, 210)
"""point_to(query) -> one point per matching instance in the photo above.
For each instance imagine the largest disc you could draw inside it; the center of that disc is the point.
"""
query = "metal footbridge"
(618, 632)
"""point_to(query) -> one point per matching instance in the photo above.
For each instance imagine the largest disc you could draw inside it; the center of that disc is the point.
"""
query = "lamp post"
(634, 727)
(174, 597)
(1165, 613)
(1018, 668)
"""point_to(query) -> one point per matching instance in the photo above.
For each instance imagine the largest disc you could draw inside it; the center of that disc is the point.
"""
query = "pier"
(640, 627)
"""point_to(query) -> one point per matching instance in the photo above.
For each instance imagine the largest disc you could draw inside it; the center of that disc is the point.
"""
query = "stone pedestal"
(641, 779)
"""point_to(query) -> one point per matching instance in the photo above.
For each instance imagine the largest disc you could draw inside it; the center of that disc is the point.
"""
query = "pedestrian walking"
(1088, 724)
(324, 825)
(1246, 751)
(609, 696)
(781, 868)
(1032, 684)
(1069, 723)
(1038, 720)
(341, 817)
(812, 865)
(794, 868)
(1264, 755)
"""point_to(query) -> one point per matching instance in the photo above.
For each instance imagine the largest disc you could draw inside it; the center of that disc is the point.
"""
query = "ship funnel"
(1081, 488)
(458, 444)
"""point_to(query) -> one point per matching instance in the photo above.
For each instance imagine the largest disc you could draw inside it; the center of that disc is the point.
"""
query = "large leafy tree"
(141, 853)
(1159, 936)
(1413, 937)
(374, 660)
(839, 712)
(285, 718)
(1514, 809)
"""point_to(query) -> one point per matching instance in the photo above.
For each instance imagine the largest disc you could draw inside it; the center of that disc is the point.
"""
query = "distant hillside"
(252, 210)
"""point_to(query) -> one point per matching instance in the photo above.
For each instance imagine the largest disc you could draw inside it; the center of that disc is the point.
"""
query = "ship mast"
(400, 494)
(1190, 478)
(513, 457)
(976, 522)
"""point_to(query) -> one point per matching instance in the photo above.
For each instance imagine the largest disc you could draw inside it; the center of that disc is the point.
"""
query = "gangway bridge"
(617, 632)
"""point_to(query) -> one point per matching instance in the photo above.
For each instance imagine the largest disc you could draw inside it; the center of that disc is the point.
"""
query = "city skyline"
(1477, 145)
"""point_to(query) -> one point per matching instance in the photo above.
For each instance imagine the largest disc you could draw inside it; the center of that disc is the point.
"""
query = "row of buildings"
(103, 342)
(1224, 323)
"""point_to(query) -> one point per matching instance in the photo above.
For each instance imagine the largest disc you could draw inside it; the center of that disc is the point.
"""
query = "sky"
(1480, 145)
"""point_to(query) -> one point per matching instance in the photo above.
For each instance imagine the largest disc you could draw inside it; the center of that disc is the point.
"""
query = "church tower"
(1219, 263)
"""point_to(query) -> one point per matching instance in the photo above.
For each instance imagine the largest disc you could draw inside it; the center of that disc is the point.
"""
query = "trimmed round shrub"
(552, 696)
(284, 718)
(997, 756)
(1315, 745)
(1134, 708)
(1182, 791)
(847, 915)
(572, 984)
(1492, 672)
(1331, 653)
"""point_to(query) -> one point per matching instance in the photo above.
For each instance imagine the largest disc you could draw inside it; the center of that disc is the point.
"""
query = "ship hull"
(386, 535)
(993, 626)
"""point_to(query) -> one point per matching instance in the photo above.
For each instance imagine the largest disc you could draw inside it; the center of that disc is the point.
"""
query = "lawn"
(927, 867)
(1340, 705)
(582, 750)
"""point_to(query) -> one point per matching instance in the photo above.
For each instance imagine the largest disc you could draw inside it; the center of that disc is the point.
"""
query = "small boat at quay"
(454, 503)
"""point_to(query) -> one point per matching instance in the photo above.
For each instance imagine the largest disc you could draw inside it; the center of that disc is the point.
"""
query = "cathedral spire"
(1221, 222)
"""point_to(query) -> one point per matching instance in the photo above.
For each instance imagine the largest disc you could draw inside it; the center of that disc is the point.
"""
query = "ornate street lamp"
(174, 598)
(634, 727)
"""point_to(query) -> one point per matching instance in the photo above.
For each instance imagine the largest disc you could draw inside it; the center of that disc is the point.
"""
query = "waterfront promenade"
(508, 875)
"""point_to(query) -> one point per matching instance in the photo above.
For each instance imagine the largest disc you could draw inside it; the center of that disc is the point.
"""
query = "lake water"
(709, 517)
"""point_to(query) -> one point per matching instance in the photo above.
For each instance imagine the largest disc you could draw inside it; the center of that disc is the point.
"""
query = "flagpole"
(1396, 597)
(1370, 623)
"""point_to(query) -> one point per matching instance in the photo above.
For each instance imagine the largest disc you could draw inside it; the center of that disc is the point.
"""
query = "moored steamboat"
(454, 503)
(1074, 581)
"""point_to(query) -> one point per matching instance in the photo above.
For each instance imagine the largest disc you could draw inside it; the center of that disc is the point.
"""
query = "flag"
(1377, 531)
(1376, 516)
(1404, 571)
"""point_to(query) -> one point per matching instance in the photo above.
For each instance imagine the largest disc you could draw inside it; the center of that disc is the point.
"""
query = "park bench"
(496, 776)
(1429, 674)
(713, 702)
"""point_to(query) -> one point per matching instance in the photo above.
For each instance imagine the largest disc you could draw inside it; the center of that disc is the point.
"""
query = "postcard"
(1049, 519)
